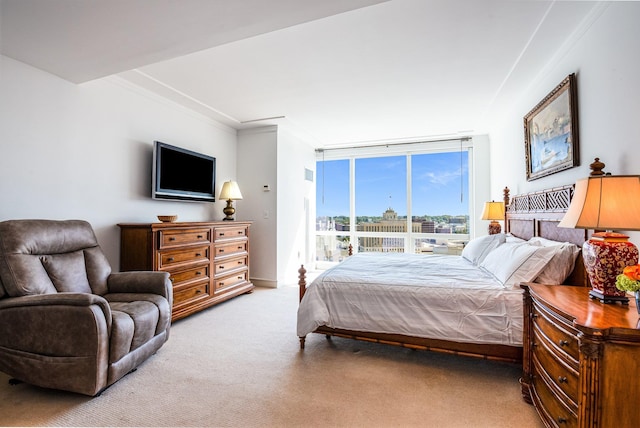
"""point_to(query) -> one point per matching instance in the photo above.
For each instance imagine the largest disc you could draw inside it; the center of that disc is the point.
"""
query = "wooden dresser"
(208, 261)
(581, 362)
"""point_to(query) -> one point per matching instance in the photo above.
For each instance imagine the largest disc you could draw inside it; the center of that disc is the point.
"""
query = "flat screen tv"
(182, 174)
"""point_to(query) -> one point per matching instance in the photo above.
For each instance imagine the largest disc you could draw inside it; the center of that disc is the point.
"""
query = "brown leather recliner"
(66, 321)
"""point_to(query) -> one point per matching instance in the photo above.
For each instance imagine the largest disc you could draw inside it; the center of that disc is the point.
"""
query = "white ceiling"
(344, 72)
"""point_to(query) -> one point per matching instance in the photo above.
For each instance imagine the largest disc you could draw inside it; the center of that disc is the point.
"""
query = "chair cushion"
(136, 319)
(67, 272)
(48, 256)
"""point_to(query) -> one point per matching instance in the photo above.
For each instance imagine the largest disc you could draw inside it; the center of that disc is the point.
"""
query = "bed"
(468, 305)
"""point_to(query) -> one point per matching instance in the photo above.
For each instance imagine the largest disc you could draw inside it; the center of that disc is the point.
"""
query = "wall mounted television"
(181, 174)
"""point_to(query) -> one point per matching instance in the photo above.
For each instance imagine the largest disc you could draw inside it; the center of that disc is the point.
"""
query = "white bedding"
(436, 296)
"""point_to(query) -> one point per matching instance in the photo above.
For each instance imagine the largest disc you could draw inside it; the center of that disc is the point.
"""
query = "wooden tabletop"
(186, 224)
(589, 315)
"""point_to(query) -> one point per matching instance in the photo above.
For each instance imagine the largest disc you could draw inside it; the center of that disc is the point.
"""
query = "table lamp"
(493, 211)
(605, 203)
(231, 192)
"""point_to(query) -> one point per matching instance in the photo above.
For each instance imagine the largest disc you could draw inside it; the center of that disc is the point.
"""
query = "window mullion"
(353, 240)
(409, 236)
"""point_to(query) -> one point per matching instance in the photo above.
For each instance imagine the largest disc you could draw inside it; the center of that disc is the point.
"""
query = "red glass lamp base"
(494, 228)
(605, 256)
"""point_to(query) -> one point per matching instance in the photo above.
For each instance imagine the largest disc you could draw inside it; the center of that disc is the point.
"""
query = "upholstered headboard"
(538, 214)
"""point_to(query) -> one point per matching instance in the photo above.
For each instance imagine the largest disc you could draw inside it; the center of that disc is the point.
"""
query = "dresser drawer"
(179, 237)
(559, 335)
(196, 273)
(229, 281)
(230, 265)
(172, 258)
(183, 296)
(553, 408)
(230, 249)
(222, 233)
(563, 377)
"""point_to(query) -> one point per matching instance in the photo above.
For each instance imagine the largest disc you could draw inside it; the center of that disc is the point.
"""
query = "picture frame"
(551, 132)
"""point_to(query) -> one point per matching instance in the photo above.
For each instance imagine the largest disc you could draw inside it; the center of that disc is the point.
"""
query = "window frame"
(402, 149)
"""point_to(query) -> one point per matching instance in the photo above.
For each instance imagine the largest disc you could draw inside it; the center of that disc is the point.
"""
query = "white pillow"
(511, 238)
(513, 263)
(477, 249)
(560, 265)
(544, 242)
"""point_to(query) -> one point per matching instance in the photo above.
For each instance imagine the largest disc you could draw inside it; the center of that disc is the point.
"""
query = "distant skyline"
(438, 181)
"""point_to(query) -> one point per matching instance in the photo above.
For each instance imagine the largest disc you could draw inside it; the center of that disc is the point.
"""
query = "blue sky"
(438, 179)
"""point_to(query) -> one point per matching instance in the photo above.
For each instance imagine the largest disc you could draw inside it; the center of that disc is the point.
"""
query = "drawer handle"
(240, 232)
(198, 254)
(239, 277)
(222, 284)
(239, 247)
(198, 291)
(170, 259)
(534, 316)
(564, 343)
(221, 234)
(171, 279)
(221, 250)
(198, 273)
(562, 379)
(239, 262)
(221, 267)
(562, 420)
(200, 236)
(172, 239)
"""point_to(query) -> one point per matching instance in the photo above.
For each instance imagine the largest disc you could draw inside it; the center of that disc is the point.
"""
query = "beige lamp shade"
(230, 191)
(606, 202)
(493, 211)
(609, 202)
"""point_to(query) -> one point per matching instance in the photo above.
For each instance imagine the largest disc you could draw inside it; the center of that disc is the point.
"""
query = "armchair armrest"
(57, 299)
(141, 282)
(55, 324)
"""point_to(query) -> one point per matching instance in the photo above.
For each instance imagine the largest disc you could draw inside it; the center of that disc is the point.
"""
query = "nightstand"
(581, 358)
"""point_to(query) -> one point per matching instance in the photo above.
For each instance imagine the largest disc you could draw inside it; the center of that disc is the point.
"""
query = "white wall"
(606, 62)
(257, 167)
(84, 151)
(296, 218)
(275, 156)
(480, 192)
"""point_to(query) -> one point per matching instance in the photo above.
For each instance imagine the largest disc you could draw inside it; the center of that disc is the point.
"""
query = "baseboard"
(264, 283)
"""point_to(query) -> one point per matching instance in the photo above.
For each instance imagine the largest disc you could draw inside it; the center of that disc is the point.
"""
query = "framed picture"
(551, 132)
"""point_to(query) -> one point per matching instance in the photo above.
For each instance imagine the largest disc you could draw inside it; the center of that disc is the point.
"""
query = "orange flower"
(632, 272)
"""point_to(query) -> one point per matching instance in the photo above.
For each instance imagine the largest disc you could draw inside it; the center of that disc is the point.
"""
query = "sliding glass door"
(440, 201)
(333, 209)
(381, 203)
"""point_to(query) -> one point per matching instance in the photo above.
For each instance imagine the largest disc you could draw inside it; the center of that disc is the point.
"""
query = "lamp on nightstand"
(493, 211)
(606, 202)
(231, 192)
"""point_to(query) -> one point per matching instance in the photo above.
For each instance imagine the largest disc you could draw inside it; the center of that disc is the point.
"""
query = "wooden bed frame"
(526, 216)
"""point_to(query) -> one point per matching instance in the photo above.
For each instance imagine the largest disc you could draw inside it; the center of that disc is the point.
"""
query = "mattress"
(430, 296)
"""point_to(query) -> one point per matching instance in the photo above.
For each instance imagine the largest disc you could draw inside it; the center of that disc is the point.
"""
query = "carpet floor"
(238, 364)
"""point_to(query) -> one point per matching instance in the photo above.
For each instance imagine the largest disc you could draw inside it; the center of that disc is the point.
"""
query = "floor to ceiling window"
(406, 198)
